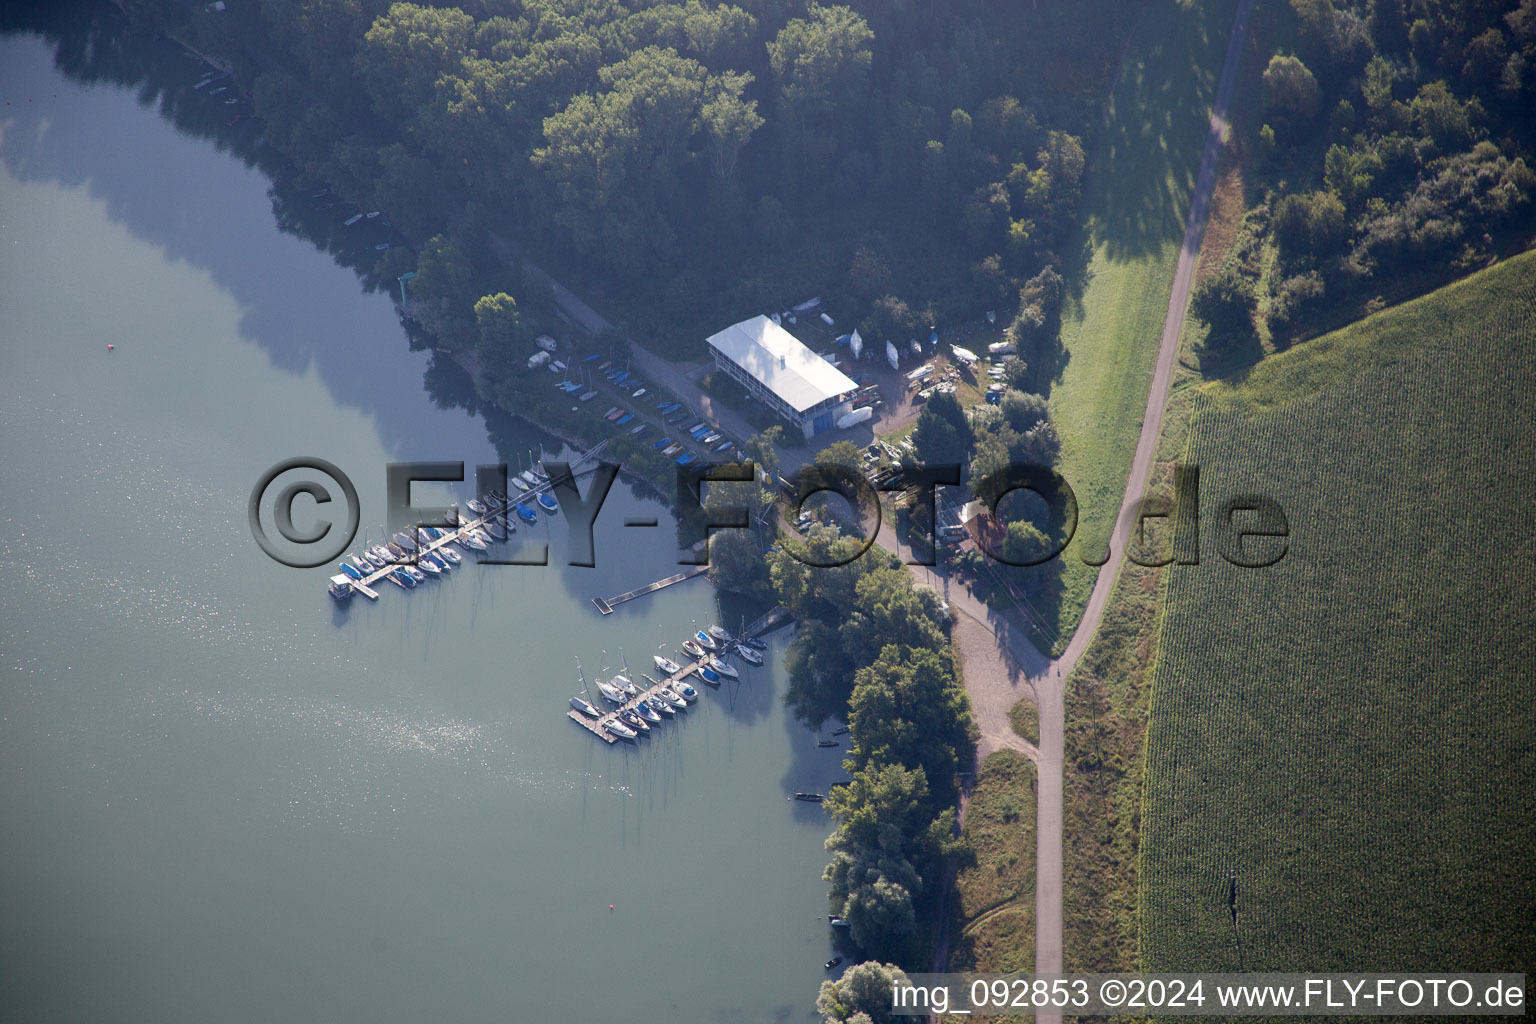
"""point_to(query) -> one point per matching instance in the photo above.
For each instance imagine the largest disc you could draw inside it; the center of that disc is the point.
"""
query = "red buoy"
(109, 348)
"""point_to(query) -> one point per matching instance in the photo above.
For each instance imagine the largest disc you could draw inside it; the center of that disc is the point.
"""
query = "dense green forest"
(1388, 151)
(687, 162)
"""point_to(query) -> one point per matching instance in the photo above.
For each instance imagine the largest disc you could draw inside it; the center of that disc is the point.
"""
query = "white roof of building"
(786, 367)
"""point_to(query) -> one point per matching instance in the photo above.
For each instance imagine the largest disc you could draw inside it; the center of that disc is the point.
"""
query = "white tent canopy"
(778, 360)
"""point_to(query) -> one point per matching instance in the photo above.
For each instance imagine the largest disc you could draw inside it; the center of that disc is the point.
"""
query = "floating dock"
(605, 605)
(653, 685)
(458, 533)
(595, 725)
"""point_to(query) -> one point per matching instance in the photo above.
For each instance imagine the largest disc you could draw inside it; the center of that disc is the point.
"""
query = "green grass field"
(994, 921)
(1137, 199)
(1351, 733)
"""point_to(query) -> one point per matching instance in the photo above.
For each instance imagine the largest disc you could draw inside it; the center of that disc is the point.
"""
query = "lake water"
(221, 798)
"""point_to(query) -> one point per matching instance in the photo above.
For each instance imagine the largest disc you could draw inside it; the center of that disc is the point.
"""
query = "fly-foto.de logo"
(1248, 530)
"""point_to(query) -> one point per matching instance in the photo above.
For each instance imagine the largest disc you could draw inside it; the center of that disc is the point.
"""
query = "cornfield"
(1340, 756)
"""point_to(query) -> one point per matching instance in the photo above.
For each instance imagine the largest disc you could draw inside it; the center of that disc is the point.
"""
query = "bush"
(1293, 298)
(1290, 90)
(1310, 224)
(1225, 302)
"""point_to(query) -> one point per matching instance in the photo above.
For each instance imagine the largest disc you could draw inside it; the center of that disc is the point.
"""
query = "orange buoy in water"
(610, 906)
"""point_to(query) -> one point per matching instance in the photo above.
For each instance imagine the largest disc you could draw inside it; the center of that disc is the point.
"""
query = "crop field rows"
(1342, 741)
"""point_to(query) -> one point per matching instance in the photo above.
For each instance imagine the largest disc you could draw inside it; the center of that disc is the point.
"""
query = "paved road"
(1050, 687)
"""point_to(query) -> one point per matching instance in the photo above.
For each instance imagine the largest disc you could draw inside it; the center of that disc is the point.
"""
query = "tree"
(889, 317)
(1225, 302)
(1314, 223)
(942, 436)
(907, 708)
(875, 797)
(728, 121)
(868, 273)
(661, 93)
(872, 889)
(828, 469)
(1440, 117)
(889, 609)
(1023, 410)
(736, 563)
(1025, 544)
(862, 994)
(407, 50)
(717, 35)
(1054, 186)
(821, 61)
(762, 449)
(587, 148)
(444, 289)
(1389, 26)
(1015, 373)
(1291, 91)
(499, 328)
(1380, 76)
(1486, 54)
(1006, 129)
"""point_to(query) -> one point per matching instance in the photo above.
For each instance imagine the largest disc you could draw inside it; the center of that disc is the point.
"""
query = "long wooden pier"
(605, 605)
